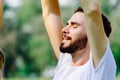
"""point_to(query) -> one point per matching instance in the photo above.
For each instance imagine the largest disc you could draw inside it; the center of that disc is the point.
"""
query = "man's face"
(74, 34)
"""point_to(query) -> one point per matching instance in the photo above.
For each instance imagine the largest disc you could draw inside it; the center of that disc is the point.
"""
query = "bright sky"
(17, 3)
(64, 2)
(113, 2)
(14, 3)
(68, 2)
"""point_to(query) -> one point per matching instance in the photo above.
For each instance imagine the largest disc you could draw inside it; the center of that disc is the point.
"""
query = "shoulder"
(108, 59)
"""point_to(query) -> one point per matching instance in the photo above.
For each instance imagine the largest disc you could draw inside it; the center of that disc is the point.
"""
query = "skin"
(88, 24)
(1, 12)
(53, 24)
(75, 29)
(94, 29)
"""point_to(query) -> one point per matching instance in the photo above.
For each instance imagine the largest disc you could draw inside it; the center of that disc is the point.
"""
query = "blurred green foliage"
(24, 40)
(26, 44)
(27, 79)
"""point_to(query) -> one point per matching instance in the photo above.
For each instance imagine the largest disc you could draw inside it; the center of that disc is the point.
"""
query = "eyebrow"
(73, 23)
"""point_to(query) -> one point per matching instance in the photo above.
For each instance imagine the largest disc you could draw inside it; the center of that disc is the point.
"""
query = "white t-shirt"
(106, 69)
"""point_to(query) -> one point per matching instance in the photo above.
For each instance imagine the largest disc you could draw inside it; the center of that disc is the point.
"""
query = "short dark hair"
(106, 22)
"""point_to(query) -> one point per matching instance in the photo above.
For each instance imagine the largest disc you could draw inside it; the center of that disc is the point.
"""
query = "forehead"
(78, 17)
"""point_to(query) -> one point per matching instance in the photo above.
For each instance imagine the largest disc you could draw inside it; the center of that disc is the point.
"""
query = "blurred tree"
(23, 39)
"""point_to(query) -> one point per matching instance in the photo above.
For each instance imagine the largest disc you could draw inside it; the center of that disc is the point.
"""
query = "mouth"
(66, 37)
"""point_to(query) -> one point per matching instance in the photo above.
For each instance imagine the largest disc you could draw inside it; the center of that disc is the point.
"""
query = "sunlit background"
(26, 45)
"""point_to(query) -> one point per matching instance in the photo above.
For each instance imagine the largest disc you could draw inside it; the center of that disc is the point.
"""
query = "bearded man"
(83, 49)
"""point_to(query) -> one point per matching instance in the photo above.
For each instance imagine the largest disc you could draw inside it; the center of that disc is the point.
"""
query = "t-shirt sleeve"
(106, 67)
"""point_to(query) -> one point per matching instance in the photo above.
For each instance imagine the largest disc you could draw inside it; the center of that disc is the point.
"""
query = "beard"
(78, 44)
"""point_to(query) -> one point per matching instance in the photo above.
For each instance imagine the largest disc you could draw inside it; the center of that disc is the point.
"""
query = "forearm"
(50, 6)
(1, 11)
(53, 23)
(94, 28)
(94, 22)
(90, 6)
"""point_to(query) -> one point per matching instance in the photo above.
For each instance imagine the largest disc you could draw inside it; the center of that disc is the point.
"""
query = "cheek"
(79, 34)
(83, 34)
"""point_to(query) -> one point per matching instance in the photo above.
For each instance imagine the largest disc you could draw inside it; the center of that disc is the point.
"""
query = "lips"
(65, 37)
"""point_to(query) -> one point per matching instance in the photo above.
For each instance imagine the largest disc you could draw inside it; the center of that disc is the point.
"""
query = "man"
(84, 52)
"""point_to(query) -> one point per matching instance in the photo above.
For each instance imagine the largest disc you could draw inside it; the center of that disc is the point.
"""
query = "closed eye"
(74, 24)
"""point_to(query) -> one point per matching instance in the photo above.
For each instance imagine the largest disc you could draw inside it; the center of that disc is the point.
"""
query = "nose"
(65, 30)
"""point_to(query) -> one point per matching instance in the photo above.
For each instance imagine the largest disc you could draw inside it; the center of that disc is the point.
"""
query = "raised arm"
(95, 30)
(52, 20)
(1, 11)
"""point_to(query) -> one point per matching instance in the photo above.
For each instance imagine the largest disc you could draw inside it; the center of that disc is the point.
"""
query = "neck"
(80, 57)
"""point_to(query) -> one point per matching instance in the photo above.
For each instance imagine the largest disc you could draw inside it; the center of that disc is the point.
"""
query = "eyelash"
(74, 26)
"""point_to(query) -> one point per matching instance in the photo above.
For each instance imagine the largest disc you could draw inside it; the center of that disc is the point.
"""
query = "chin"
(65, 44)
(65, 48)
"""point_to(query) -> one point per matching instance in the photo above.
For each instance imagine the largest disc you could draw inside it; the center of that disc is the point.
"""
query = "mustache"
(66, 37)
(78, 44)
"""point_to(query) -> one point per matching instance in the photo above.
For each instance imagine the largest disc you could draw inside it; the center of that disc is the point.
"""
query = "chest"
(72, 73)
